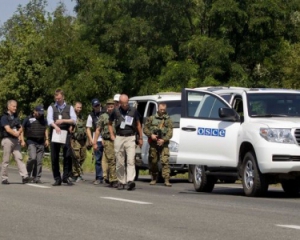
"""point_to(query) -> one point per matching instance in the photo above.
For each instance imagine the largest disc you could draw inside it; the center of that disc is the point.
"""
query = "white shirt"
(89, 124)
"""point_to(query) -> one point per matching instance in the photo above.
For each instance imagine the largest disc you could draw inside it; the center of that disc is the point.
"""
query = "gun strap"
(161, 124)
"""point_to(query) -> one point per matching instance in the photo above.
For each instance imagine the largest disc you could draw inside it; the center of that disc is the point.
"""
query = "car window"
(207, 105)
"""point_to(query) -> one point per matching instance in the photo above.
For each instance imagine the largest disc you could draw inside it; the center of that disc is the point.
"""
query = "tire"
(202, 182)
(254, 182)
(137, 173)
(291, 187)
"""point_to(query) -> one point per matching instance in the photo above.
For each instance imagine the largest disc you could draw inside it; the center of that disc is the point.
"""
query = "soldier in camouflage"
(156, 125)
(108, 153)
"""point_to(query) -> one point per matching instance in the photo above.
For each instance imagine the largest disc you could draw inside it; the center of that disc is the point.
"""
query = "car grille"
(285, 158)
(297, 136)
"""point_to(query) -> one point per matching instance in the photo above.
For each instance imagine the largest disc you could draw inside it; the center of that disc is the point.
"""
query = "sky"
(8, 7)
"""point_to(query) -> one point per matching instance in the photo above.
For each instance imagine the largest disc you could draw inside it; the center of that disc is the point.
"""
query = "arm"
(111, 131)
(89, 125)
(11, 131)
(97, 133)
(169, 133)
(21, 137)
(51, 121)
(46, 137)
(139, 129)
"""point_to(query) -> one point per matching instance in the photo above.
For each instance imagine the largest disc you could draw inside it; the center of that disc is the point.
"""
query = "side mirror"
(228, 114)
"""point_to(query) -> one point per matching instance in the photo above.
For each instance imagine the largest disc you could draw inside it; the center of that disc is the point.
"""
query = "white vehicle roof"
(159, 97)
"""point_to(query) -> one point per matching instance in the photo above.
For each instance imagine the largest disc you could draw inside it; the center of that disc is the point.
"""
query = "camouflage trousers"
(78, 153)
(164, 159)
(108, 159)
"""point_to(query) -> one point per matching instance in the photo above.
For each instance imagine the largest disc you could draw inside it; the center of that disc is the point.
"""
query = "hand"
(112, 137)
(140, 142)
(95, 146)
(47, 143)
(59, 121)
(153, 137)
(23, 144)
(57, 129)
(160, 142)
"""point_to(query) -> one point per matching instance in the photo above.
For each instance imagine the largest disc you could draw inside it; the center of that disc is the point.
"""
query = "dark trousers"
(98, 161)
(55, 150)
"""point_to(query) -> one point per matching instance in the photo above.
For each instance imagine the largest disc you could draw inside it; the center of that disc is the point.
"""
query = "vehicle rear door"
(205, 138)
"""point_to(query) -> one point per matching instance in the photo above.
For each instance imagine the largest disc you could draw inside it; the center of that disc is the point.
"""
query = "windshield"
(174, 111)
(274, 104)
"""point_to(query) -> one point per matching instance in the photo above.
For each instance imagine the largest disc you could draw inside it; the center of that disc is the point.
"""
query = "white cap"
(117, 97)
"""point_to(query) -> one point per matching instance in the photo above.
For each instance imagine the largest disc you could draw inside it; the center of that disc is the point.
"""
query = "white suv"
(240, 133)
(147, 106)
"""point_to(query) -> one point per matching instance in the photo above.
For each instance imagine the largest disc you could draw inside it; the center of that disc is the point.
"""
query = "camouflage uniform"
(108, 153)
(154, 123)
(78, 148)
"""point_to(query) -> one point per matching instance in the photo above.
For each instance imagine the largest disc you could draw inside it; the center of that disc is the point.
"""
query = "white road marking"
(36, 185)
(126, 200)
(289, 226)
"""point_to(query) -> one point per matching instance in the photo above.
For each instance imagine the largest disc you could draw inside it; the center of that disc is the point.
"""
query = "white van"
(147, 106)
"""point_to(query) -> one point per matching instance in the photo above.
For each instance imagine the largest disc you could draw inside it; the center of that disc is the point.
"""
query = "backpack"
(80, 130)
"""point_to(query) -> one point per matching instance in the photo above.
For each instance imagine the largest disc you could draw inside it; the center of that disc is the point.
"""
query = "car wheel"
(291, 187)
(254, 182)
(202, 182)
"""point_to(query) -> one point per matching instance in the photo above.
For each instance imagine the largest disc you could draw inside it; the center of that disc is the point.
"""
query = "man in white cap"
(117, 100)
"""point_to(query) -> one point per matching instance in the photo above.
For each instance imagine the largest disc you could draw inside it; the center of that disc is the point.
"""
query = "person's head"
(116, 100)
(110, 105)
(59, 96)
(38, 111)
(162, 109)
(96, 105)
(78, 108)
(12, 106)
(124, 101)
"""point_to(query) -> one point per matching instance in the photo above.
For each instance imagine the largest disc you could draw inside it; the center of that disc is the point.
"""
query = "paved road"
(85, 211)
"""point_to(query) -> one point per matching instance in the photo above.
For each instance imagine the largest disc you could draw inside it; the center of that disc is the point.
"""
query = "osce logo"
(215, 132)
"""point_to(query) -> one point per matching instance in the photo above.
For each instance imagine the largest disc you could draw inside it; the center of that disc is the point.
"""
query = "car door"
(151, 108)
(205, 138)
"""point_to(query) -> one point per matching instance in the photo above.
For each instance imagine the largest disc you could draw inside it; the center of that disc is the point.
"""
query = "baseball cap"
(110, 101)
(39, 109)
(95, 102)
(117, 97)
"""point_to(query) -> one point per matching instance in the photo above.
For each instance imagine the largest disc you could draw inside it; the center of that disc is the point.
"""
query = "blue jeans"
(98, 158)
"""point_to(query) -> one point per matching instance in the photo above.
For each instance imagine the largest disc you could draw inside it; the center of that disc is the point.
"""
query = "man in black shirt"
(11, 130)
(127, 123)
(36, 133)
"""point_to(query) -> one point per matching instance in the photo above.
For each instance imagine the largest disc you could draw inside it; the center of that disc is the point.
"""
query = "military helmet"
(110, 101)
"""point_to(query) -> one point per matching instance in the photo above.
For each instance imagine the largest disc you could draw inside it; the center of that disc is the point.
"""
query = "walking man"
(60, 116)
(11, 143)
(36, 133)
(108, 153)
(159, 130)
(78, 144)
(91, 126)
(127, 125)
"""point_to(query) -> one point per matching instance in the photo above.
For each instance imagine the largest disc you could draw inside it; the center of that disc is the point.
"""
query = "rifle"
(158, 132)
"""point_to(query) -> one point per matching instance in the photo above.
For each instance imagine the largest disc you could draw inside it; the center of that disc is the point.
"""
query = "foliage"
(146, 46)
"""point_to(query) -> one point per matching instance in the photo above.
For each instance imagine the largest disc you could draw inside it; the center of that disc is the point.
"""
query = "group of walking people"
(113, 132)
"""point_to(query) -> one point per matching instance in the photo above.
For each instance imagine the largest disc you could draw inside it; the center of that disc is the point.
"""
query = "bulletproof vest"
(36, 128)
(157, 123)
(80, 130)
(65, 113)
(104, 126)
(13, 122)
(95, 116)
(120, 118)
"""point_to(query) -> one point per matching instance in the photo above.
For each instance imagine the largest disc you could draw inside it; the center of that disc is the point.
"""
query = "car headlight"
(278, 135)
(173, 146)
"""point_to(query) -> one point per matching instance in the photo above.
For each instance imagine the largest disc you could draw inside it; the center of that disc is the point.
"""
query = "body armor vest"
(65, 113)
(120, 118)
(36, 129)
(13, 122)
